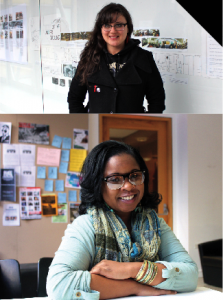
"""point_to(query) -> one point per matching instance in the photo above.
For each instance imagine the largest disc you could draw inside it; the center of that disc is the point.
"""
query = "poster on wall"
(30, 203)
(13, 34)
(74, 211)
(49, 205)
(34, 133)
(7, 185)
(62, 214)
(80, 138)
(11, 215)
(73, 180)
(5, 132)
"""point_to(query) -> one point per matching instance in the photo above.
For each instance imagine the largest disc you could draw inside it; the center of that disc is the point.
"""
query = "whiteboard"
(41, 85)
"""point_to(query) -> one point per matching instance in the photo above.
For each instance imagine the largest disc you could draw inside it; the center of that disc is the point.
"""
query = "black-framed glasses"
(118, 27)
(115, 182)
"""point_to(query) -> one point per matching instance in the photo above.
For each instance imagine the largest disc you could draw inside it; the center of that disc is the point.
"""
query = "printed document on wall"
(11, 215)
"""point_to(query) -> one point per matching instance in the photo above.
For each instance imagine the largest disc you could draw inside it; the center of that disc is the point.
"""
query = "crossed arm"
(115, 279)
(70, 272)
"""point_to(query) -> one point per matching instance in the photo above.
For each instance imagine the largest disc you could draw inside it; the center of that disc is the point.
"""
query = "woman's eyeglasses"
(118, 27)
(115, 182)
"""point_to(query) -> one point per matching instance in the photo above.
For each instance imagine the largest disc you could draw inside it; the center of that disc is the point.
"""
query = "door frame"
(136, 120)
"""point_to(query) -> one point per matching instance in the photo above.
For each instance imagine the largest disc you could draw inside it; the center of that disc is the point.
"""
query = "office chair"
(211, 262)
(10, 279)
(42, 272)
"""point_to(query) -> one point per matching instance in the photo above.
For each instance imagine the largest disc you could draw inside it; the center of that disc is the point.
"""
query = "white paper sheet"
(11, 154)
(214, 58)
(11, 215)
(27, 176)
(27, 154)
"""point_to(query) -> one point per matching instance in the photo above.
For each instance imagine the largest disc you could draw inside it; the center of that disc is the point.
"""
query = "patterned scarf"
(113, 241)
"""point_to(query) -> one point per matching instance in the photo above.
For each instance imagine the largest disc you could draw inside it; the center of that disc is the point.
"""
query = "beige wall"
(205, 180)
(37, 238)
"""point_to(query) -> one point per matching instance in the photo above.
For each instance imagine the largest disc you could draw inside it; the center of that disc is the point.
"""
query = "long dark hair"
(90, 56)
(93, 171)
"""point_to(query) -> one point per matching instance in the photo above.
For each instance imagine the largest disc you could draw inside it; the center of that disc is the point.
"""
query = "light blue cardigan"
(69, 276)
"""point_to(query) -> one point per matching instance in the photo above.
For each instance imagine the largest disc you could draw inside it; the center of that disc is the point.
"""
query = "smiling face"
(115, 39)
(124, 200)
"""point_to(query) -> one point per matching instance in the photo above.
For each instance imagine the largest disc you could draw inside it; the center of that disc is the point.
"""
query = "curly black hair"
(92, 175)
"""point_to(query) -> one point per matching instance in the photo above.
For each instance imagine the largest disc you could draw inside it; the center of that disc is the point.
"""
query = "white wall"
(205, 180)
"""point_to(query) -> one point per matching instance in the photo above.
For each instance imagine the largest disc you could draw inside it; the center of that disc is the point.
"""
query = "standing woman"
(114, 70)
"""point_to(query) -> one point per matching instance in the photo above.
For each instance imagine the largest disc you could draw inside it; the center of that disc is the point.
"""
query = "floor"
(201, 283)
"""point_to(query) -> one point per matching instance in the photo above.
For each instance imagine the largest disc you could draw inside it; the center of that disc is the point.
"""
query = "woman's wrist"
(133, 268)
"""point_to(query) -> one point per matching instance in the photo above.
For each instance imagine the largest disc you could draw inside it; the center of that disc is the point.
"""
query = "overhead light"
(141, 139)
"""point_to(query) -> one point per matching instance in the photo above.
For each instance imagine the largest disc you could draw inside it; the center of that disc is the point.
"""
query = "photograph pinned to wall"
(11, 215)
(80, 139)
(49, 205)
(73, 180)
(7, 185)
(34, 133)
(68, 70)
(146, 32)
(30, 203)
(74, 211)
(62, 214)
(165, 43)
(5, 132)
(62, 82)
(55, 80)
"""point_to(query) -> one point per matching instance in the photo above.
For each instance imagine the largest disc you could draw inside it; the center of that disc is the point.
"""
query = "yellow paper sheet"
(77, 157)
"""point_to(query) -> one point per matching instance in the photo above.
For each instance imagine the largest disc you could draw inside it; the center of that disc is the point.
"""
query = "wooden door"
(152, 136)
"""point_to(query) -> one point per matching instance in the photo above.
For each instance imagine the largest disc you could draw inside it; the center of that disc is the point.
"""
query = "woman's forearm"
(112, 288)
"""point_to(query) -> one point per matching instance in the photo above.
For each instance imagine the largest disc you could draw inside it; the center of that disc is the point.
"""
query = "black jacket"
(124, 92)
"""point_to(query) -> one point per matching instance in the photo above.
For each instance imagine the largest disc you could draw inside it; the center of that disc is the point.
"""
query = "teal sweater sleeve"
(181, 271)
(69, 277)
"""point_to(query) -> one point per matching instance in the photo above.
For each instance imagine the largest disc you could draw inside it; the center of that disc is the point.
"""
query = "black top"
(120, 84)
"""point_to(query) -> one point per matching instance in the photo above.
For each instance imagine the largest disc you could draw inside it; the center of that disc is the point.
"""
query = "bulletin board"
(188, 58)
(35, 238)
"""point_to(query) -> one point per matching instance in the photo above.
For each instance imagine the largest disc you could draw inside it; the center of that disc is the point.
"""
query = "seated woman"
(118, 246)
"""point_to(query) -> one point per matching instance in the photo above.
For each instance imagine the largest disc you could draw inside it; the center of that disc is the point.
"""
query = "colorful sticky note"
(63, 167)
(57, 140)
(52, 172)
(72, 196)
(59, 185)
(66, 143)
(65, 155)
(62, 197)
(41, 172)
(48, 186)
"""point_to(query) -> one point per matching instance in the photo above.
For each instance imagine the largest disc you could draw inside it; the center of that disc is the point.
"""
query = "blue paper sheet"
(57, 140)
(48, 186)
(59, 185)
(52, 172)
(41, 172)
(66, 143)
(63, 167)
(65, 154)
(72, 196)
(62, 198)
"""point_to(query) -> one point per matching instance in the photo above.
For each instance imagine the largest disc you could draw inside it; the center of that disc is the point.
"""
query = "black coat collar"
(128, 74)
